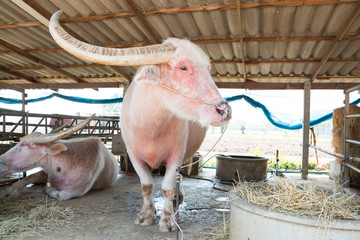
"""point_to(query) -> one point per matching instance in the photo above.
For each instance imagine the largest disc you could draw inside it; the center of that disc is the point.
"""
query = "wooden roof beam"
(63, 85)
(210, 40)
(38, 60)
(215, 7)
(128, 77)
(17, 74)
(343, 30)
(242, 45)
(140, 17)
(246, 85)
(277, 86)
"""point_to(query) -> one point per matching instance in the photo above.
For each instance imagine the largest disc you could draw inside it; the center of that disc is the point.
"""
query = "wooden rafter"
(215, 7)
(343, 30)
(209, 40)
(246, 85)
(17, 74)
(38, 60)
(140, 17)
(242, 45)
(126, 76)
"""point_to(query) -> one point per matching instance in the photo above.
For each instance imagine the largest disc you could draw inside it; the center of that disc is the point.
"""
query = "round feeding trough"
(244, 168)
(252, 222)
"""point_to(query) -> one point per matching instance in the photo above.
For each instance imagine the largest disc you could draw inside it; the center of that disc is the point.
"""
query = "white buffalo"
(165, 111)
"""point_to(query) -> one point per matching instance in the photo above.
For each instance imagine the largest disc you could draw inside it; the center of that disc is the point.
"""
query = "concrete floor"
(110, 213)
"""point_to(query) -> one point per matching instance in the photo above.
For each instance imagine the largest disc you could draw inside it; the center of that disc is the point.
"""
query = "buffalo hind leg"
(147, 214)
(17, 188)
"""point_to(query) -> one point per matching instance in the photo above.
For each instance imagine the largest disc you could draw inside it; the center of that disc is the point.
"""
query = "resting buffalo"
(70, 167)
(165, 112)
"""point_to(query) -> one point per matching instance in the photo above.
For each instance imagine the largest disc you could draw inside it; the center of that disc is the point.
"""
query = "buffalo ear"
(149, 73)
(56, 149)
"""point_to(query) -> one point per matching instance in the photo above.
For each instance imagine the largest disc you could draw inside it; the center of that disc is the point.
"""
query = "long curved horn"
(155, 54)
(52, 137)
(58, 129)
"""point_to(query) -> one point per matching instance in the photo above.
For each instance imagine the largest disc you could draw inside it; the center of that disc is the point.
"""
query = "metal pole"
(177, 202)
(345, 172)
(306, 130)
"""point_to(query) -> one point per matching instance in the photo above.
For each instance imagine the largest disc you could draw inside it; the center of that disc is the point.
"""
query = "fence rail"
(16, 124)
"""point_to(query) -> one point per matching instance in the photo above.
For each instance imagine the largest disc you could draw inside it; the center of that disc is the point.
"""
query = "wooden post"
(306, 130)
(23, 103)
(24, 124)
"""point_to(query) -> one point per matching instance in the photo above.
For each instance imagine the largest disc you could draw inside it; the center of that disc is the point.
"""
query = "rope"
(185, 95)
(313, 137)
(217, 141)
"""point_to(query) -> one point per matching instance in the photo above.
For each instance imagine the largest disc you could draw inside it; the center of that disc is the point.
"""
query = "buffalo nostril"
(224, 110)
(220, 111)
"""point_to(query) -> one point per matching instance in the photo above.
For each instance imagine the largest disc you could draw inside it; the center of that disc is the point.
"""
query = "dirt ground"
(110, 213)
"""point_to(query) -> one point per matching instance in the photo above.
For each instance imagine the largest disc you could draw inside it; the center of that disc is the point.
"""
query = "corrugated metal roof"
(284, 41)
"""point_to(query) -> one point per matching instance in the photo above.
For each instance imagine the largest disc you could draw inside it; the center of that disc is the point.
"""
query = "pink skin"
(74, 166)
(160, 126)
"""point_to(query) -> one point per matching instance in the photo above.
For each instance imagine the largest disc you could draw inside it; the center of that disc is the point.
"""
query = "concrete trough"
(250, 222)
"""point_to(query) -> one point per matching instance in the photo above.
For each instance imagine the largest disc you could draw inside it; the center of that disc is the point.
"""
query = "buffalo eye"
(183, 68)
(58, 169)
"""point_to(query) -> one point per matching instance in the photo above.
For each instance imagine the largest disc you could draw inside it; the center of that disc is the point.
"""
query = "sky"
(286, 105)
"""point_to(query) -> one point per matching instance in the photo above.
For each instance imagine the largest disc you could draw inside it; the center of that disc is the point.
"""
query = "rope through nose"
(185, 95)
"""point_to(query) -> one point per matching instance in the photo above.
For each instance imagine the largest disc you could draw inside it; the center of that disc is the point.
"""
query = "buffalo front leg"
(17, 188)
(147, 214)
(167, 223)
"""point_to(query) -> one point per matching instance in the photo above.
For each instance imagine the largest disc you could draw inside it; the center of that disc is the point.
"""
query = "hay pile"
(26, 215)
(284, 196)
(354, 134)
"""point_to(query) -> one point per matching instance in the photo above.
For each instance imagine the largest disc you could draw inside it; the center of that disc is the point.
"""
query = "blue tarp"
(273, 120)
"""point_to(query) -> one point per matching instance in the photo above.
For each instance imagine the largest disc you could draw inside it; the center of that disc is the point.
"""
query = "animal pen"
(254, 45)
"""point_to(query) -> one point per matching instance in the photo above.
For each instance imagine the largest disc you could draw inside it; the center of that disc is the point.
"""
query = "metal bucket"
(244, 168)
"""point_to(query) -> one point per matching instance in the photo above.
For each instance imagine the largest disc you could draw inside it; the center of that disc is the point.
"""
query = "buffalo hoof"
(167, 223)
(145, 217)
